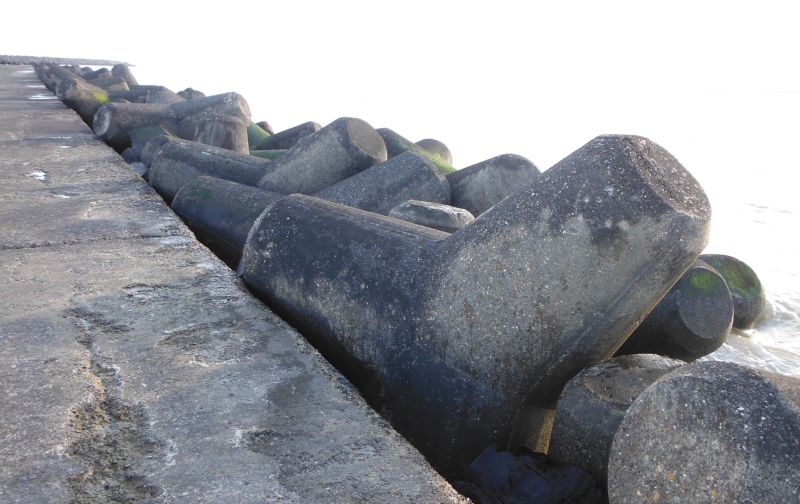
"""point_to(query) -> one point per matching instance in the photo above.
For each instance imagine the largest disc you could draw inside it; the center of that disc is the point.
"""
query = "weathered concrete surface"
(134, 365)
(592, 406)
(710, 432)
(451, 334)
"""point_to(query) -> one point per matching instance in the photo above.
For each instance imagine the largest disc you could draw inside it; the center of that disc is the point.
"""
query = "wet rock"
(710, 432)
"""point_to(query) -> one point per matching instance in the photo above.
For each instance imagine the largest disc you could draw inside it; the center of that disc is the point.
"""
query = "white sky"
(716, 83)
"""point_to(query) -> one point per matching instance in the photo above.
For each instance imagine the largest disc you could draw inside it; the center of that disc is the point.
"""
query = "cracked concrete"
(135, 366)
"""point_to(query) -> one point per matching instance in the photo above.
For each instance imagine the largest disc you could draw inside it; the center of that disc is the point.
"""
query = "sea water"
(764, 236)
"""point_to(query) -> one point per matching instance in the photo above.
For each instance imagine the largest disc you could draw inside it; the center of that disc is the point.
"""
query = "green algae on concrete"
(397, 144)
(748, 294)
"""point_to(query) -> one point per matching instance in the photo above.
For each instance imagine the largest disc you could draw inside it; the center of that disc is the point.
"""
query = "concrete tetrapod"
(692, 320)
(448, 335)
(287, 138)
(221, 213)
(224, 131)
(710, 432)
(747, 292)
(181, 161)
(397, 144)
(437, 148)
(592, 406)
(433, 215)
(478, 187)
(112, 120)
(339, 150)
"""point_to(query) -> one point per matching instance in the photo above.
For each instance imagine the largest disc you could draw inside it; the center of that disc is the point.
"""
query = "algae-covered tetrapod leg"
(397, 144)
(693, 319)
(748, 294)
(449, 335)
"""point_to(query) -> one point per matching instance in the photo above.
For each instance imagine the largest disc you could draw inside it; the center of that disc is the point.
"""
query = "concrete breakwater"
(134, 365)
(462, 340)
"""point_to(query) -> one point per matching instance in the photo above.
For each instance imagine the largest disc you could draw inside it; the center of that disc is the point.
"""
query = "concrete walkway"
(135, 367)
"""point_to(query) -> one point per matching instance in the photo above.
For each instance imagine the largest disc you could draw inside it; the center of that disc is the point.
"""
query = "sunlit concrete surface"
(135, 366)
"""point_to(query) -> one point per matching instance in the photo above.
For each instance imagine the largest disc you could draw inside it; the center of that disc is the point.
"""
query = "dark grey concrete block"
(124, 71)
(449, 335)
(527, 478)
(479, 187)
(141, 136)
(266, 127)
(152, 148)
(112, 120)
(81, 96)
(181, 161)
(693, 319)
(339, 150)
(287, 138)
(110, 83)
(221, 212)
(379, 188)
(592, 406)
(223, 131)
(710, 432)
(433, 215)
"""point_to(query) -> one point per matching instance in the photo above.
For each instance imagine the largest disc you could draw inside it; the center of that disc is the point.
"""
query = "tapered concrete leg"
(710, 432)
(449, 335)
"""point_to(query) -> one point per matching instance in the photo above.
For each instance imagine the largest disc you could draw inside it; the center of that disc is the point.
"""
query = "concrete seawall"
(135, 365)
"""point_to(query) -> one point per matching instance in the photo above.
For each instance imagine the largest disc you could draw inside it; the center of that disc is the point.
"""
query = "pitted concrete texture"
(135, 367)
